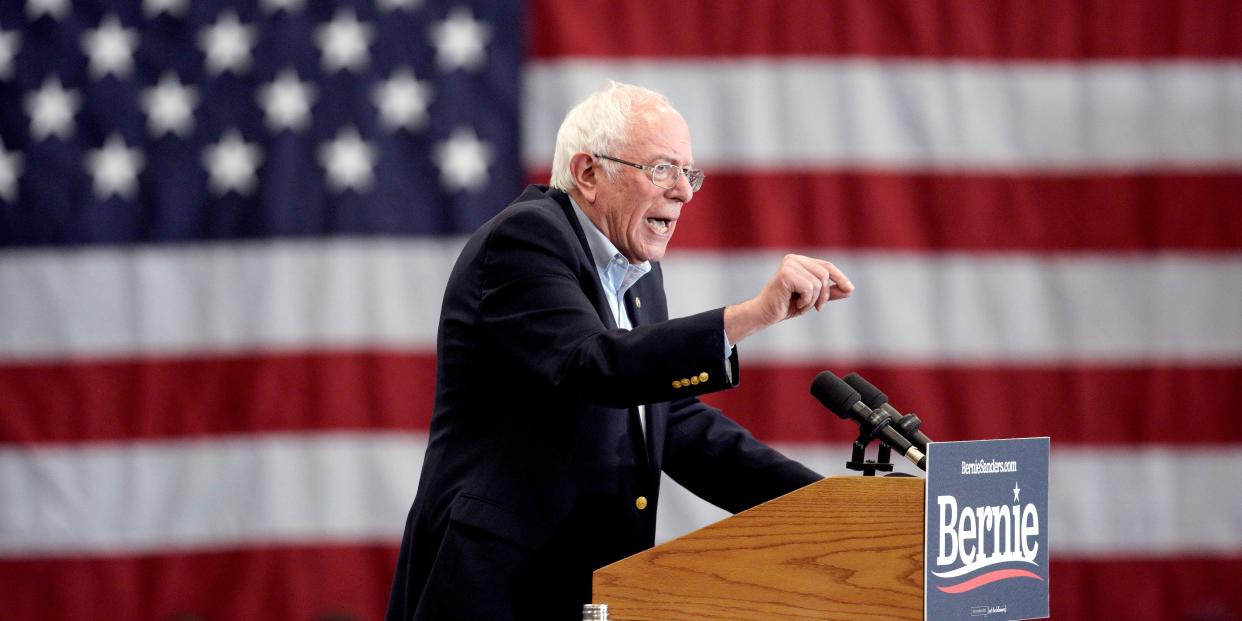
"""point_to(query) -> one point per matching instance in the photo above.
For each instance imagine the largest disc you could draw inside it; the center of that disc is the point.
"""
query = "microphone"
(846, 403)
(906, 424)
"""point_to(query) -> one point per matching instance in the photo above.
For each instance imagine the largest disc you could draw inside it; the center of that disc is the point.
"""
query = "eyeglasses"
(665, 175)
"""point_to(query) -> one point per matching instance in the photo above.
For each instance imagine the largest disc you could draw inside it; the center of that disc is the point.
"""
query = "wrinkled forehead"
(660, 132)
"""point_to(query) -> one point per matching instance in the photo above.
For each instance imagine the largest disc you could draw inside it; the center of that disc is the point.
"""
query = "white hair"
(602, 124)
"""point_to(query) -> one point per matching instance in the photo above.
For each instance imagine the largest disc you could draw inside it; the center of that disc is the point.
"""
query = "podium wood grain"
(848, 548)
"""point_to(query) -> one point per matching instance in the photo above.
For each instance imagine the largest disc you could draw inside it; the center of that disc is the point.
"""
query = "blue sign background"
(1000, 582)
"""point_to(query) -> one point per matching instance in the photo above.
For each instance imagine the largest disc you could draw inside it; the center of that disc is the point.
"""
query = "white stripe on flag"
(362, 293)
(1158, 500)
(806, 113)
(1078, 308)
(114, 498)
(150, 496)
(221, 298)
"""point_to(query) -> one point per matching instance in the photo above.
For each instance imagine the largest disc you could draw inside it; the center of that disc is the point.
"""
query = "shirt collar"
(613, 267)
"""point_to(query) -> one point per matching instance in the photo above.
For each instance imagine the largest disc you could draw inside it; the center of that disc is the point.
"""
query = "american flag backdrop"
(226, 227)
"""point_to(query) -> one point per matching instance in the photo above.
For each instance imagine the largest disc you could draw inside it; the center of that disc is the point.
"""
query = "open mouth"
(659, 225)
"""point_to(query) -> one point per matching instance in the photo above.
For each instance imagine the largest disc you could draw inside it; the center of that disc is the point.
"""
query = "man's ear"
(586, 174)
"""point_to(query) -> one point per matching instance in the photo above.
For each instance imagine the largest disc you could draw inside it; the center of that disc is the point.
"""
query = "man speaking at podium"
(563, 389)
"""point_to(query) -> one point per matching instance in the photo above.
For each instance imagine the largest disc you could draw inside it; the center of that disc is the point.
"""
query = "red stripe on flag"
(289, 583)
(1146, 589)
(1136, 212)
(257, 583)
(946, 212)
(328, 391)
(939, 29)
(1079, 404)
(126, 400)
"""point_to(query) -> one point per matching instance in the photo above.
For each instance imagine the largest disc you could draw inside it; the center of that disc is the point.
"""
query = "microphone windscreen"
(869, 393)
(835, 394)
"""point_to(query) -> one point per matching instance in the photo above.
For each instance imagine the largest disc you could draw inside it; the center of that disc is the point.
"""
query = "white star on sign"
(288, 6)
(227, 44)
(1015, 491)
(115, 168)
(402, 100)
(349, 161)
(10, 170)
(55, 8)
(170, 106)
(10, 41)
(459, 41)
(463, 160)
(111, 48)
(409, 6)
(176, 8)
(232, 164)
(51, 110)
(286, 101)
(344, 42)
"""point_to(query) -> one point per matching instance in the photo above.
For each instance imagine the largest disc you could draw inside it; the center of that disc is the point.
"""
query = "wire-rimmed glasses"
(664, 175)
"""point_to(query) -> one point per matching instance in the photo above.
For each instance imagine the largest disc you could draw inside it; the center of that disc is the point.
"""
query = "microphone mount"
(868, 430)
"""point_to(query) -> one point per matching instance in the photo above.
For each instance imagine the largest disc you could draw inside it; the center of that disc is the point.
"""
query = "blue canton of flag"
(176, 120)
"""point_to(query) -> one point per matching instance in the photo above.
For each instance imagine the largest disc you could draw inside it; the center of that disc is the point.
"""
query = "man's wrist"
(741, 321)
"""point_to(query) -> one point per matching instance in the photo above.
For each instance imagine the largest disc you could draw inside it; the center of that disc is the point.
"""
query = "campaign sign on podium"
(986, 555)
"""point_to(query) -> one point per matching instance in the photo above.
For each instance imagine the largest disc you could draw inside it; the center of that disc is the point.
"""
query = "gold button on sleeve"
(676, 383)
(703, 376)
(694, 380)
(640, 502)
(685, 381)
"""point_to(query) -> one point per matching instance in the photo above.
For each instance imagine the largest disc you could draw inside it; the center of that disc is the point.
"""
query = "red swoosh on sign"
(988, 578)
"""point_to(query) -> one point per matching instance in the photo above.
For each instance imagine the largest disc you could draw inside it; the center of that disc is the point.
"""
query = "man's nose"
(681, 189)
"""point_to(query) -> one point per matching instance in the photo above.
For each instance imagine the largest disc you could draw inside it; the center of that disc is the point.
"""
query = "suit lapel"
(589, 274)
(640, 302)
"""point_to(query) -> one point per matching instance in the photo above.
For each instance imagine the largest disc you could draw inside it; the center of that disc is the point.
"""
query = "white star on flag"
(288, 6)
(286, 101)
(56, 9)
(344, 42)
(459, 41)
(227, 44)
(232, 164)
(10, 170)
(51, 110)
(408, 6)
(170, 106)
(115, 168)
(10, 41)
(402, 100)
(463, 160)
(349, 161)
(176, 8)
(110, 48)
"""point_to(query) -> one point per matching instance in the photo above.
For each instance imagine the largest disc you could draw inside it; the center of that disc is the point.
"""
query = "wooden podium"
(848, 548)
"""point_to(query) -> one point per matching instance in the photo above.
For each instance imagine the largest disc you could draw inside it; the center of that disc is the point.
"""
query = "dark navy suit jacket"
(537, 460)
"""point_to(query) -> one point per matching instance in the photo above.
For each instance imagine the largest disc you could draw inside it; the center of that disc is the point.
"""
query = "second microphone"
(846, 403)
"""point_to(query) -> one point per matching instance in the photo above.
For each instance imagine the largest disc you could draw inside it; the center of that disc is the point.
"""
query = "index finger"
(839, 279)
